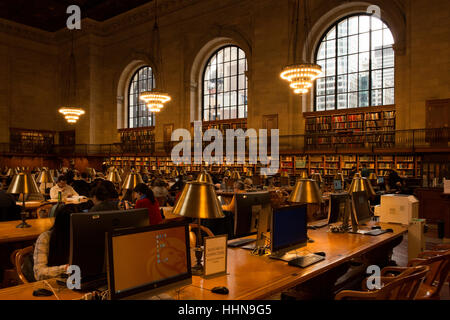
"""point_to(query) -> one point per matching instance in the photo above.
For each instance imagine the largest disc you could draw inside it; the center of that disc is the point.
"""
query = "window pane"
(342, 65)
(342, 101)
(364, 61)
(364, 24)
(353, 63)
(377, 59)
(331, 67)
(342, 46)
(376, 23)
(342, 84)
(353, 82)
(377, 39)
(233, 83)
(388, 78)
(377, 79)
(353, 100)
(321, 52)
(331, 85)
(320, 103)
(320, 86)
(377, 99)
(388, 58)
(234, 53)
(388, 40)
(388, 96)
(342, 29)
(363, 81)
(364, 42)
(364, 99)
(353, 25)
(353, 44)
(330, 102)
(234, 68)
(331, 49)
(331, 34)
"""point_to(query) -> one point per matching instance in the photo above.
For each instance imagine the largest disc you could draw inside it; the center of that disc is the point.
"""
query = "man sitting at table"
(62, 186)
(102, 201)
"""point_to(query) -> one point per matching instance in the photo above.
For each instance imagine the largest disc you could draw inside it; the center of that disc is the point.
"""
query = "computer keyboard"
(318, 224)
(239, 242)
(305, 261)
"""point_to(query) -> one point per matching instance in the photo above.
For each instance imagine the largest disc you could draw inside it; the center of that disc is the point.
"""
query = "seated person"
(51, 252)
(146, 199)
(248, 184)
(160, 191)
(239, 187)
(9, 210)
(81, 186)
(62, 186)
(395, 181)
(101, 199)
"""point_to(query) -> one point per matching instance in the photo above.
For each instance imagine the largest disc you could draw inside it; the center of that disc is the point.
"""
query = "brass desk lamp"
(23, 184)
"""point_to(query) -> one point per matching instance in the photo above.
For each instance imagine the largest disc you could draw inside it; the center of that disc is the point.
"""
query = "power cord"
(51, 288)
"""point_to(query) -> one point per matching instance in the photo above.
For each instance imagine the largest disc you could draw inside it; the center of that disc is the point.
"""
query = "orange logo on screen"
(168, 258)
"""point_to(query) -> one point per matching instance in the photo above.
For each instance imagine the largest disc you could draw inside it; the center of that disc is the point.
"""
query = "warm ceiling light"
(155, 100)
(301, 76)
(72, 115)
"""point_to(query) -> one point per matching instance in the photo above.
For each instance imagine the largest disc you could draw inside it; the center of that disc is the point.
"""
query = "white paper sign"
(215, 255)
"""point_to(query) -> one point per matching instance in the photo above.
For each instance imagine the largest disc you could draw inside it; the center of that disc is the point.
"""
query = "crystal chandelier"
(301, 75)
(71, 113)
(155, 99)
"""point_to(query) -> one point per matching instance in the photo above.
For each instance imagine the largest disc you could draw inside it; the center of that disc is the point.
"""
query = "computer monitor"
(247, 210)
(337, 185)
(336, 209)
(361, 207)
(289, 229)
(144, 262)
(380, 180)
(87, 240)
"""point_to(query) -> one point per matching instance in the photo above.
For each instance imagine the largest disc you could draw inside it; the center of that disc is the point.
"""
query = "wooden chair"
(19, 262)
(439, 263)
(444, 246)
(193, 235)
(402, 287)
(44, 211)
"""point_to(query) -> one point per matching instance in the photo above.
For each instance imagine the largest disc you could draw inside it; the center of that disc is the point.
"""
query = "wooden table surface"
(25, 292)
(252, 277)
(9, 232)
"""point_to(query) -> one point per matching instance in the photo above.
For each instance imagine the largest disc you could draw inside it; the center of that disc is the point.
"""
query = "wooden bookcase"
(138, 140)
(31, 141)
(351, 128)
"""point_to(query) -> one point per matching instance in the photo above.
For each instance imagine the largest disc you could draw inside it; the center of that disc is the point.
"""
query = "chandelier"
(155, 99)
(301, 75)
(71, 114)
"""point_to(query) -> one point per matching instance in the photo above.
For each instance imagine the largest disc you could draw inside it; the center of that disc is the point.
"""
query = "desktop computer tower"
(416, 238)
(398, 208)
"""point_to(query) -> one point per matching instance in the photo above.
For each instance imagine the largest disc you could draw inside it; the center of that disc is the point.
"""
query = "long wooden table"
(252, 277)
(9, 232)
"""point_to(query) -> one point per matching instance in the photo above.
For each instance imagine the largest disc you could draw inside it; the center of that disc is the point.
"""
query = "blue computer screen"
(337, 185)
(289, 227)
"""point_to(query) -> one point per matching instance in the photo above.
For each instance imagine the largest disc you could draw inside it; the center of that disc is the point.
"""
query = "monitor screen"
(87, 238)
(145, 261)
(337, 185)
(336, 210)
(289, 228)
(380, 180)
(361, 206)
(248, 206)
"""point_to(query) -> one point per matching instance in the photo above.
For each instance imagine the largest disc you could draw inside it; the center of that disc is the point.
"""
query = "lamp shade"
(284, 174)
(249, 173)
(45, 177)
(114, 176)
(361, 184)
(227, 173)
(132, 180)
(317, 177)
(339, 176)
(23, 183)
(198, 200)
(204, 177)
(175, 173)
(306, 191)
(304, 175)
(11, 172)
(235, 175)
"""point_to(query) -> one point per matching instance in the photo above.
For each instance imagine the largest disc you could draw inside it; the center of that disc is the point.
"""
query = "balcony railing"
(417, 140)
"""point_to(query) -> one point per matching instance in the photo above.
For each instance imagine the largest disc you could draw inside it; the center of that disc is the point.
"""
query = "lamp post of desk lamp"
(23, 184)
(198, 200)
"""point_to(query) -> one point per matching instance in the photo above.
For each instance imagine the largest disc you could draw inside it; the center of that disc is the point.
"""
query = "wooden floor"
(431, 239)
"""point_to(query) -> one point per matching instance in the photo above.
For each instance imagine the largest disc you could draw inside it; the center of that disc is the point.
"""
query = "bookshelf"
(31, 141)
(138, 139)
(351, 128)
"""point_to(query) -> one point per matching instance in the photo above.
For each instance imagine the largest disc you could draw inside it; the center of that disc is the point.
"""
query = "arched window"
(357, 59)
(225, 85)
(138, 113)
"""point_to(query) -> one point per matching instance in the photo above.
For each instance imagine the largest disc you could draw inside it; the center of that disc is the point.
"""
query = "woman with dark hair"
(146, 199)
(51, 253)
(101, 198)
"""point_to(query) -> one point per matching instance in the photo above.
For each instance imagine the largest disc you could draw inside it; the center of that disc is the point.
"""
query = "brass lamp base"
(197, 270)
(23, 225)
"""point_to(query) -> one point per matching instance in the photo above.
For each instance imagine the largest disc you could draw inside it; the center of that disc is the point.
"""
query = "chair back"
(402, 287)
(193, 235)
(24, 264)
(439, 264)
